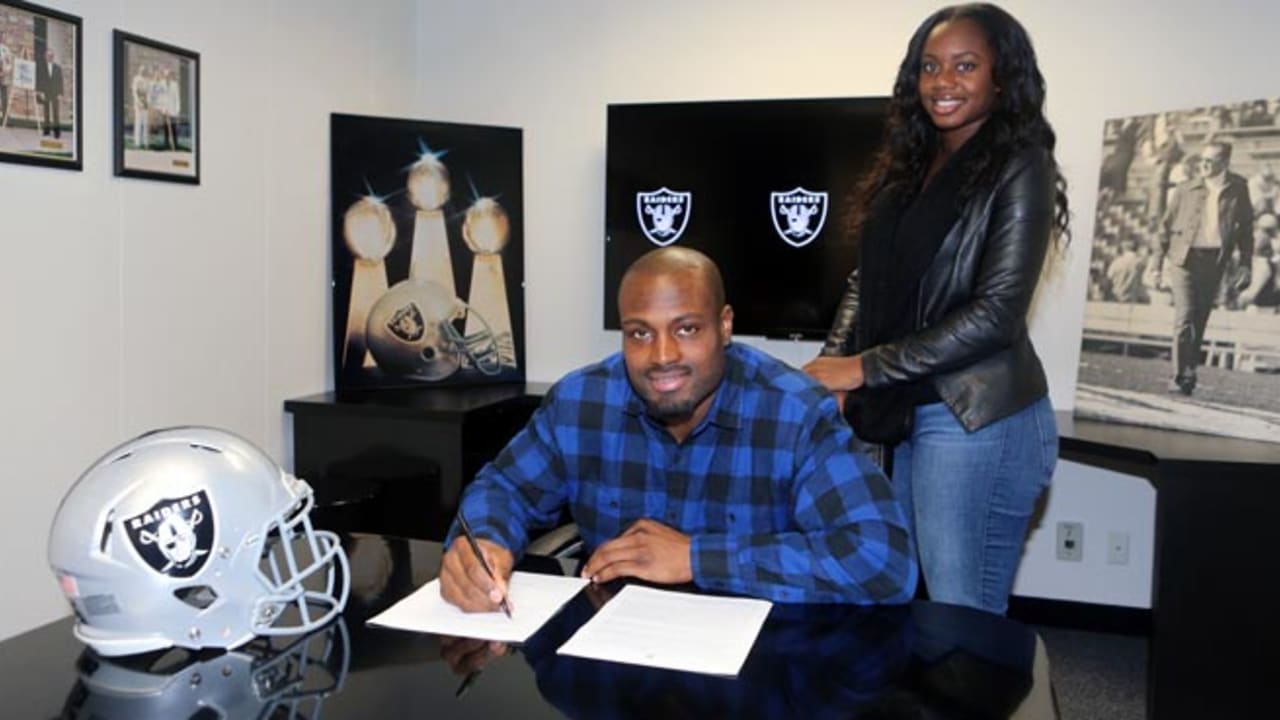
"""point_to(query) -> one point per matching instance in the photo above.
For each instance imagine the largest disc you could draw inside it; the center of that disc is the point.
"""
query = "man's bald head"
(676, 261)
(675, 331)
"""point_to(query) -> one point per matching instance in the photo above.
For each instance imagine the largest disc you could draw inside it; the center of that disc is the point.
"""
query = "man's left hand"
(647, 550)
(1243, 278)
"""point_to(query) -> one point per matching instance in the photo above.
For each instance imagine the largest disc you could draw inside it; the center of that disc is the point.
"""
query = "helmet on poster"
(410, 332)
(192, 537)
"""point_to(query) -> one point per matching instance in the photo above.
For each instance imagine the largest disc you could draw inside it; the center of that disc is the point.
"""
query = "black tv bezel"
(857, 105)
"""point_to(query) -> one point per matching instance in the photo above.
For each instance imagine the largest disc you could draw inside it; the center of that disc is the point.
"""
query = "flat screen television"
(761, 186)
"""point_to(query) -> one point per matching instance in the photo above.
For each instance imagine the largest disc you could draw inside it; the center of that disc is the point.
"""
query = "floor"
(1097, 676)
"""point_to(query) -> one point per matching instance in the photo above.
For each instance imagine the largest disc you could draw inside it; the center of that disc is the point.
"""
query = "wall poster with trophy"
(428, 253)
(1182, 322)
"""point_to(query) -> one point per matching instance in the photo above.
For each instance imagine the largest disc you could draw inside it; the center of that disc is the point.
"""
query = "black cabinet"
(1213, 628)
(395, 462)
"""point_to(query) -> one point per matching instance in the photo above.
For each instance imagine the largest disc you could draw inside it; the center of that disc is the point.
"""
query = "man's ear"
(726, 324)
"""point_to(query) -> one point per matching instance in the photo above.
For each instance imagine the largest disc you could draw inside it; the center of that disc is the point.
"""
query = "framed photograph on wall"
(1182, 321)
(428, 253)
(157, 110)
(40, 71)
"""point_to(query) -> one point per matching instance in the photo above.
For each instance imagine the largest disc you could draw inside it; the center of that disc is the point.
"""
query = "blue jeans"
(969, 496)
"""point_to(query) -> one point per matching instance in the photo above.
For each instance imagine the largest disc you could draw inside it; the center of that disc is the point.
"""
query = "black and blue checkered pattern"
(776, 501)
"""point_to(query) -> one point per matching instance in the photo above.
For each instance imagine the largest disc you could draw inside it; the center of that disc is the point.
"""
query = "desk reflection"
(265, 678)
(920, 661)
(809, 661)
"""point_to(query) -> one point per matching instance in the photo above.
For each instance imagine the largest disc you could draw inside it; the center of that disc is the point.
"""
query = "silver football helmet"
(192, 537)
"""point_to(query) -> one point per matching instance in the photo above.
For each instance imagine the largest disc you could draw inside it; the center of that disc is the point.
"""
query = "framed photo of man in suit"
(40, 71)
(157, 110)
(1182, 320)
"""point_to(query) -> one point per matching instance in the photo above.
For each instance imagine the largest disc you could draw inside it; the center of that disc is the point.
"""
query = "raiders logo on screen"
(658, 212)
(175, 535)
(407, 323)
(805, 213)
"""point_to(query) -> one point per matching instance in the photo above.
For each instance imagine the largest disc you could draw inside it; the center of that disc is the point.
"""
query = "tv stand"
(395, 461)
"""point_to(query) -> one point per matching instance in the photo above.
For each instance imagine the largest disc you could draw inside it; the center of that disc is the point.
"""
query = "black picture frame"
(34, 131)
(156, 98)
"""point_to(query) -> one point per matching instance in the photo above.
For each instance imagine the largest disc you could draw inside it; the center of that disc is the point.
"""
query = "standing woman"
(930, 342)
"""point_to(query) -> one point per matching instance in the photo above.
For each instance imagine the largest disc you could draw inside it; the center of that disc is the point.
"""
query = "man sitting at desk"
(689, 458)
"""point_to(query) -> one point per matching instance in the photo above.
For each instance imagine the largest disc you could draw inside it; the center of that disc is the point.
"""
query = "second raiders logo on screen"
(663, 214)
(175, 535)
(798, 215)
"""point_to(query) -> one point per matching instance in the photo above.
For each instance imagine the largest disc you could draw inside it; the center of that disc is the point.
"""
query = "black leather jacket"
(972, 341)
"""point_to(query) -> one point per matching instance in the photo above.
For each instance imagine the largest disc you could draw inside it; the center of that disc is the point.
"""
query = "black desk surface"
(926, 660)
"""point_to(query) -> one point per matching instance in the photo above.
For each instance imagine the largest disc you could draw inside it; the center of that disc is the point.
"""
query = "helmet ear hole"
(197, 596)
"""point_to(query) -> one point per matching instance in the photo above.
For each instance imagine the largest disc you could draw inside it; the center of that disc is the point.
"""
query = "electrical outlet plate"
(1070, 541)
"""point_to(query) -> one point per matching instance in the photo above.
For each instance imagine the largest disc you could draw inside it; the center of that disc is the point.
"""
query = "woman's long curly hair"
(1017, 118)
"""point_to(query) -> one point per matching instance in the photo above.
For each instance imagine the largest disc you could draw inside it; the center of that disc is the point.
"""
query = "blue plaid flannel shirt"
(777, 503)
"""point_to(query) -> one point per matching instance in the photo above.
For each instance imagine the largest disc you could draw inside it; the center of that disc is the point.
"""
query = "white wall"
(1104, 502)
(130, 304)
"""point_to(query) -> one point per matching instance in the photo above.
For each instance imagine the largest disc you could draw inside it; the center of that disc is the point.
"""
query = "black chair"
(561, 543)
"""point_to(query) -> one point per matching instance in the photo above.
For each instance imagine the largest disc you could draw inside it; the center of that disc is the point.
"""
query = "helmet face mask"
(192, 537)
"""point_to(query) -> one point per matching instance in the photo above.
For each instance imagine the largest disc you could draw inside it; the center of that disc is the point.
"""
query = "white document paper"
(535, 598)
(674, 630)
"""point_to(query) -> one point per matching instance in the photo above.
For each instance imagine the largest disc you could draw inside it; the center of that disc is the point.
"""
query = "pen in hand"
(475, 547)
